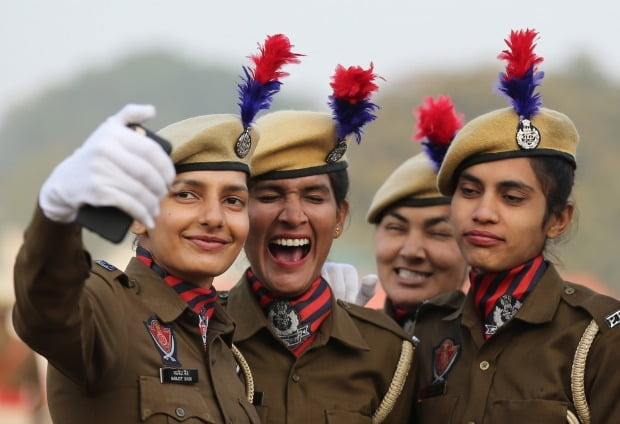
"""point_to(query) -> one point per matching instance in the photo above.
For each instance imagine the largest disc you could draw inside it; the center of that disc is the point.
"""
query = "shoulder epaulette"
(374, 317)
(109, 272)
(605, 310)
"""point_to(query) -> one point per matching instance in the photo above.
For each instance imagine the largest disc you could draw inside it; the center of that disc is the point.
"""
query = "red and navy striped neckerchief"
(310, 310)
(499, 295)
(401, 315)
(200, 300)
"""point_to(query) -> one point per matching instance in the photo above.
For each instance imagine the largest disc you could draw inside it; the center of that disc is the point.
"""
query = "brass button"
(569, 290)
(296, 378)
(471, 422)
(484, 365)
(180, 412)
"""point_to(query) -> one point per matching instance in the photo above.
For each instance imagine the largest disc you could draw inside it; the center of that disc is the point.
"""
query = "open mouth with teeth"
(412, 276)
(289, 249)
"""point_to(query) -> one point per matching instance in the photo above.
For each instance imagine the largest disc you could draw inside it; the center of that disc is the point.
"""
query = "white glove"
(115, 166)
(343, 280)
(368, 288)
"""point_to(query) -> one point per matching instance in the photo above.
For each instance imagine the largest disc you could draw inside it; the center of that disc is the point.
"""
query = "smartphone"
(110, 222)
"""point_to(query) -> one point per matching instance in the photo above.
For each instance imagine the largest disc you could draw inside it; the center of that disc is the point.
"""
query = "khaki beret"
(209, 142)
(413, 183)
(497, 135)
(295, 144)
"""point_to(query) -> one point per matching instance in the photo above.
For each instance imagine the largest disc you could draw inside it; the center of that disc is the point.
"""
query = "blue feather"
(435, 152)
(351, 117)
(254, 96)
(520, 91)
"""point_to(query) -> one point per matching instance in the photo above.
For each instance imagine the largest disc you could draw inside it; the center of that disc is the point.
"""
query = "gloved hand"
(343, 280)
(115, 166)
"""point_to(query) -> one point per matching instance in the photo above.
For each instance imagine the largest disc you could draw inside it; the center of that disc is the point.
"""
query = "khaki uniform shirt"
(341, 378)
(522, 374)
(91, 323)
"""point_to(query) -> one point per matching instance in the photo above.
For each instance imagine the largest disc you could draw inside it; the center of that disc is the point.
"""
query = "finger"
(134, 113)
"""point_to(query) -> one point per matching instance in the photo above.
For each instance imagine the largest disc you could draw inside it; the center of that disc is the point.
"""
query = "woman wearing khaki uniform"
(315, 359)
(149, 344)
(525, 346)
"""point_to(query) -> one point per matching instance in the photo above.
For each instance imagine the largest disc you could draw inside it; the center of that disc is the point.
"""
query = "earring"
(337, 230)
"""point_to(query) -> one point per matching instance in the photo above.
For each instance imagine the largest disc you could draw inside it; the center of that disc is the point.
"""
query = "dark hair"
(340, 184)
(556, 177)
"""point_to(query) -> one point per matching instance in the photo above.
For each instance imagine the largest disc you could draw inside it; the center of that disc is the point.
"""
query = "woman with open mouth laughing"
(525, 345)
(314, 359)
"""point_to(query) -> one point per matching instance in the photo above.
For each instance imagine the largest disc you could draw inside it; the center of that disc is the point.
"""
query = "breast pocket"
(531, 411)
(437, 409)
(172, 403)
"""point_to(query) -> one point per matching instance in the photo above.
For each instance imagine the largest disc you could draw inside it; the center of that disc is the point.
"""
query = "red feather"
(437, 120)
(520, 56)
(273, 55)
(354, 83)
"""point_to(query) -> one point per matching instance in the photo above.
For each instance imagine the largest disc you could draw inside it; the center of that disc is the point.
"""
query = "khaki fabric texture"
(495, 133)
(104, 366)
(293, 140)
(522, 373)
(414, 179)
(207, 139)
(341, 378)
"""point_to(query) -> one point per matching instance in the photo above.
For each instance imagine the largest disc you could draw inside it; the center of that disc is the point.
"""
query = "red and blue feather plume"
(522, 76)
(352, 109)
(263, 81)
(437, 125)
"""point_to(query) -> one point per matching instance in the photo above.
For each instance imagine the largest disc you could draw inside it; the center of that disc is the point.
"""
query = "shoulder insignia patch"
(106, 265)
(613, 319)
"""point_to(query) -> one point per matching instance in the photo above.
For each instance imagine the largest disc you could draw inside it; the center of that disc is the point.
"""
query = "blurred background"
(69, 64)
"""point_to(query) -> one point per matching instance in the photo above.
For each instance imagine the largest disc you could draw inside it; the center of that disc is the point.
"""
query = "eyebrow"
(196, 183)
(436, 220)
(503, 184)
(280, 189)
(427, 223)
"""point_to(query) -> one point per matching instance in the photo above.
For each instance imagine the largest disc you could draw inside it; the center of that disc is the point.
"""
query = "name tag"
(178, 375)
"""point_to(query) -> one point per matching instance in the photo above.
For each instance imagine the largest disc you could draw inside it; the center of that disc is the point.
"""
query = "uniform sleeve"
(54, 313)
(603, 377)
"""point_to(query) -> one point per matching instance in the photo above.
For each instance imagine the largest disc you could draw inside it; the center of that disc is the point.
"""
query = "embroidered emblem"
(163, 337)
(106, 265)
(337, 152)
(613, 319)
(285, 322)
(444, 357)
(244, 143)
(527, 136)
(505, 308)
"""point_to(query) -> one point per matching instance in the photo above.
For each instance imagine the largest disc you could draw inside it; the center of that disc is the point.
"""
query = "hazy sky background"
(45, 43)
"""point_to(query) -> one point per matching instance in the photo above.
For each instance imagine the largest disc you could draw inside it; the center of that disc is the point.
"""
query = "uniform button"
(296, 378)
(180, 412)
(131, 283)
(569, 290)
(146, 412)
(471, 422)
(484, 365)
(222, 295)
